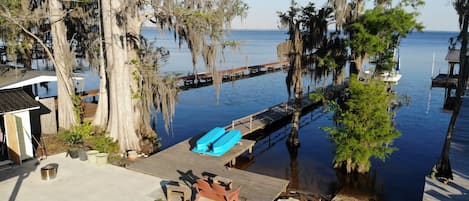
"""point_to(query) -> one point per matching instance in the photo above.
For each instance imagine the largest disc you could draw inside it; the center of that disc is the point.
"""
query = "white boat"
(392, 76)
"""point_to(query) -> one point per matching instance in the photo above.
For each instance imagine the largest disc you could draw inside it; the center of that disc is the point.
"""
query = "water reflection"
(358, 186)
(293, 176)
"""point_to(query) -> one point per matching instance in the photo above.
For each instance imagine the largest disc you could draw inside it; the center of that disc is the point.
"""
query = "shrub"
(72, 139)
(104, 144)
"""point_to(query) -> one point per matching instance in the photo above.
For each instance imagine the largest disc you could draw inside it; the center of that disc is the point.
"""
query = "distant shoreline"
(241, 29)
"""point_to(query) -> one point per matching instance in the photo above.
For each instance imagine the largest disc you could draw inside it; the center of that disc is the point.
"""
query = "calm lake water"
(401, 177)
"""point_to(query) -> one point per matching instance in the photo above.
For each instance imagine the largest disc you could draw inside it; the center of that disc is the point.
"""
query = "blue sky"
(436, 15)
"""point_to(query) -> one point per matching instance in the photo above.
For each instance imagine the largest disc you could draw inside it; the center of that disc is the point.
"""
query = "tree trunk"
(297, 48)
(28, 54)
(64, 61)
(121, 115)
(356, 67)
(102, 111)
(339, 76)
(443, 166)
(463, 63)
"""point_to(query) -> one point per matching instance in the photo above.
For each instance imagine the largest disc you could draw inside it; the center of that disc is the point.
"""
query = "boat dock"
(458, 188)
(179, 164)
(445, 81)
(260, 120)
(206, 79)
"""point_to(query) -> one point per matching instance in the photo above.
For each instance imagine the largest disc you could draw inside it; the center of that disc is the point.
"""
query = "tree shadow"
(22, 172)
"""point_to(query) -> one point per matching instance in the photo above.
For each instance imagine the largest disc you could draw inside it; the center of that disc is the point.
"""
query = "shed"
(16, 138)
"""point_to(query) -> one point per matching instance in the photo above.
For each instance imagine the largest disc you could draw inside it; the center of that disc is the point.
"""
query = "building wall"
(48, 116)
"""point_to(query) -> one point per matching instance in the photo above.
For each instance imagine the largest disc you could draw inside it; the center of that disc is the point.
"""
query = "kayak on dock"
(210, 137)
(215, 144)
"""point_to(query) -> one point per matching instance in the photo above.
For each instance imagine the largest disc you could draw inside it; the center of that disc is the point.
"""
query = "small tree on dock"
(364, 126)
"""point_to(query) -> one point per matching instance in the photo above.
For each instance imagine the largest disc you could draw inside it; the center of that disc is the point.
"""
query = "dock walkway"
(179, 163)
(260, 120)
(458, 188)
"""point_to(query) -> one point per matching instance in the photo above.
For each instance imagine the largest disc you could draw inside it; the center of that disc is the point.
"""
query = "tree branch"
(9, 18)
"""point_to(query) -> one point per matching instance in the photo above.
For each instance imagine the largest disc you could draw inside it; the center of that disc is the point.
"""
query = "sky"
(436, 15)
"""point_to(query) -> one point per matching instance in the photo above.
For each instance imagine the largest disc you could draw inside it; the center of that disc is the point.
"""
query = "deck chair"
(215, 191)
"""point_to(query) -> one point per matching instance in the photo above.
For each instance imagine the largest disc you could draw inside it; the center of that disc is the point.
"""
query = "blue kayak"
(202, 145)
(217, 142)
(225, 142)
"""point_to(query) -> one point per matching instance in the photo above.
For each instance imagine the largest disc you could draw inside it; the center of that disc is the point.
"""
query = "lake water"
(423, 123)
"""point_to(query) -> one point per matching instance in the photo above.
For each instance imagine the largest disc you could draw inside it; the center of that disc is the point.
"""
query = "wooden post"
(250, 123)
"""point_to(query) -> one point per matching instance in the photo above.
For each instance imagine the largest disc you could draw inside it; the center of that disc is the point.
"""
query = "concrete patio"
(77, 180)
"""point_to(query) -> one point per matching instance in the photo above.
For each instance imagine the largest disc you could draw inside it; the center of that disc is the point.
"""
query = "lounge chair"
(215, 191)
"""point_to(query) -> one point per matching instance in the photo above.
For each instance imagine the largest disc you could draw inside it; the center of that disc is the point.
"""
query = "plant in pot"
(74, 141)
(106, 147)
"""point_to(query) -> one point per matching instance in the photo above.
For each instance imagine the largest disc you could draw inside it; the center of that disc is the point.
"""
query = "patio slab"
(78, 180)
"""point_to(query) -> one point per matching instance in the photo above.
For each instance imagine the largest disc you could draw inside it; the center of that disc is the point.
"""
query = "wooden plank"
(178, 163)
(13, 145)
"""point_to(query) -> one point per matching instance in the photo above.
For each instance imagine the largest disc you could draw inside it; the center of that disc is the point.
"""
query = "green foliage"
(77, 109)
(316, 97)
(80, 134)
(134, 61)
(86, 134)
(86, 129)
(364, 126)
(104, 144)
(72, 139)
(378, 32)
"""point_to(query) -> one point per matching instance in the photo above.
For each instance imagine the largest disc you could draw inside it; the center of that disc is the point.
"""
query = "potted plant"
(105, 145)
(74, 142)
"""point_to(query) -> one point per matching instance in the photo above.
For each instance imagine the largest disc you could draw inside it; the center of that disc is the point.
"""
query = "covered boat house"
(449, 79)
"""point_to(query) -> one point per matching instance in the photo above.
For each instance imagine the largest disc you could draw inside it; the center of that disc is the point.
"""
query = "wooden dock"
(458, 188)
(179, 163)
(262, 119)
(206, 78)
(445, 81)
